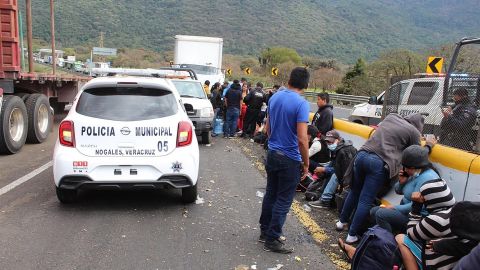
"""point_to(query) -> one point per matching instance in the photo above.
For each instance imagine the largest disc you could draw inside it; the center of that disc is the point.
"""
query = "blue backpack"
(377, 250)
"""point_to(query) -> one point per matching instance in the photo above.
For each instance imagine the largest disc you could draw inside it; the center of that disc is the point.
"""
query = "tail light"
(184, 136)
(67, 134)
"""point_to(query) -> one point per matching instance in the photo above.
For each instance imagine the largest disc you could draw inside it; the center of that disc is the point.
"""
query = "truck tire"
(189, 194)
(39, 118)
(206, 137)
(66, 195)
(23, 96)
(13, 125)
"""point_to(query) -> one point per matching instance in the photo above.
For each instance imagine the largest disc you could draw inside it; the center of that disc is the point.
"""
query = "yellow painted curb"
(453, 158)
(475, 167)
(353, 128)
(317, 233)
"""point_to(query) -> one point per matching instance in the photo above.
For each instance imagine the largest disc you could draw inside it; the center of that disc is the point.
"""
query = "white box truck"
(201, 54)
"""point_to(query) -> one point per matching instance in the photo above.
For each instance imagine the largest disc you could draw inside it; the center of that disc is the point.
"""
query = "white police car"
(126, 133)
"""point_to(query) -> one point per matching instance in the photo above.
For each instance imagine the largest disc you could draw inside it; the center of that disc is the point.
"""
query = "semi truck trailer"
(27, 99)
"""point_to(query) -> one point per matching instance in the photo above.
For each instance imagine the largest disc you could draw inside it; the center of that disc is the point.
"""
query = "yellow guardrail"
(459, 168)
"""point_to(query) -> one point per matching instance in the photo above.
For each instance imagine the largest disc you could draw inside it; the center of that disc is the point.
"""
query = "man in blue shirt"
(286, 126)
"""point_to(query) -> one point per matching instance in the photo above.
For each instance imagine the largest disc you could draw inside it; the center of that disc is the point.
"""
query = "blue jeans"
(369, 175)
(232, 119)
(391, 220)
(283, 176)
(330, 189)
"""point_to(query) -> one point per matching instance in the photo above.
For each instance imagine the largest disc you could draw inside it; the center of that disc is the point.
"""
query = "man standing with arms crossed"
(287, 158)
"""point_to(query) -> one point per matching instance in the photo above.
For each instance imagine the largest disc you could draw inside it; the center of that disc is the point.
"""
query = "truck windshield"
(190, 89)
(199, 69)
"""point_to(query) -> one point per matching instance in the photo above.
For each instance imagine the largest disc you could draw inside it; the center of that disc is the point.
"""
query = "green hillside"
(339, 29)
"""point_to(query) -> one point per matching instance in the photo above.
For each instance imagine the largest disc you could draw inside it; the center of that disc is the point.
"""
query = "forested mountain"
(339, 29)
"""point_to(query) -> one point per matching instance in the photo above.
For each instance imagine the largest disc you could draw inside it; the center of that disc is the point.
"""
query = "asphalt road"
(143, 230)
(338, 111)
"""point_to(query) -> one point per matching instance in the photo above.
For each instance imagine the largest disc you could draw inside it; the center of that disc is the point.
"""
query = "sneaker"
(320, 204)
(277, 246)
(339, 226)
(351, 239)
(263, 237)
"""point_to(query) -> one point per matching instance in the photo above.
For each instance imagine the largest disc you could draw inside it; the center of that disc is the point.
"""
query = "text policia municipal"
(139, 131)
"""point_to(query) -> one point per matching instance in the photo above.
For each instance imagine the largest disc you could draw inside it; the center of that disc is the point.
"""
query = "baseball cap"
(332, 135)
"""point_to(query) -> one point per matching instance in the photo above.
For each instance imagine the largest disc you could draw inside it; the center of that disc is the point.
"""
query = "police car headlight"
(206, 112)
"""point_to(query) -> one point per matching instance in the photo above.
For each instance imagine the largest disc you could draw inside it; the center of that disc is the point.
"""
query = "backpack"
(377, 250)
(464, 220)
(304, 183)
(314, 191)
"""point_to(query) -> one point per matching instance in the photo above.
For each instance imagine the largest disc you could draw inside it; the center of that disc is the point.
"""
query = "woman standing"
(243, 110)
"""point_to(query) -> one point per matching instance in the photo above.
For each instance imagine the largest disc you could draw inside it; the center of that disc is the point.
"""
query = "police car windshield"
(190, 89)
(126, 104)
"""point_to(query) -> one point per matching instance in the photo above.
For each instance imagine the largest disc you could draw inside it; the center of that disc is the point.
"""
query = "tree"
(357, 72)
(248, 63)
(271, 57)
(326, 78)
(316, 63)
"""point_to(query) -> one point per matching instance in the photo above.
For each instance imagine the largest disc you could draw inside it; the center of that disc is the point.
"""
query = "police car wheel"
(206, 137)
(66, 195)
(189, 195)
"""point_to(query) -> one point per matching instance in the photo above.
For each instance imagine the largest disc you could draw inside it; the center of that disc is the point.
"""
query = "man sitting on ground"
(342, 153)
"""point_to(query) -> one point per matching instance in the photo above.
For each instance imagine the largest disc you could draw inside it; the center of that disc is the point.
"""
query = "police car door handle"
(117, 172)
(133, 172)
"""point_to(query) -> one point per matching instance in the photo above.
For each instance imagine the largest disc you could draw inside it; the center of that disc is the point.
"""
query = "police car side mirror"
(372, 100)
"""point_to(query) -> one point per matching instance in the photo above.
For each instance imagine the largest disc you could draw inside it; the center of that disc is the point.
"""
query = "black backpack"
(377, 250)
(314, 191)
(304, 183)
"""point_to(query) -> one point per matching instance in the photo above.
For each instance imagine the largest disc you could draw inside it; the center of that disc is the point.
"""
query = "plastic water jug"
(218, 126)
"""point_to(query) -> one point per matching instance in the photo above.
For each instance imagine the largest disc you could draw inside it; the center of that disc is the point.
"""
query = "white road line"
(25, 178)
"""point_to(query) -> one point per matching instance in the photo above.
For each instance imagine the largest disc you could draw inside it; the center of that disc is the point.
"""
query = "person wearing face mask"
(376, 167)
(417, 170)
(319, 156)
(342, 152)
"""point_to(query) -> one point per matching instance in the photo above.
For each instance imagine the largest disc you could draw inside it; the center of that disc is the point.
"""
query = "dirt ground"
(325, 218)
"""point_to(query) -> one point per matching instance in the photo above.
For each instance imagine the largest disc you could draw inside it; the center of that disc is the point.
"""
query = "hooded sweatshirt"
(323, 119)
(341, 158)
(393, 135)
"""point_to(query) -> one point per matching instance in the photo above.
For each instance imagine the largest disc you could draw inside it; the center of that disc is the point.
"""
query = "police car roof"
(131, 81)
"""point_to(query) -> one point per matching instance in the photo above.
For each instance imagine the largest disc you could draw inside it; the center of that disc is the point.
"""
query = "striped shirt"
(439, 202)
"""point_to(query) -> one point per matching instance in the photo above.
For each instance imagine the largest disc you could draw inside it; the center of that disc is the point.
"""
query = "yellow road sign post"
(434, 65)
(274, 71)
(229, 72)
